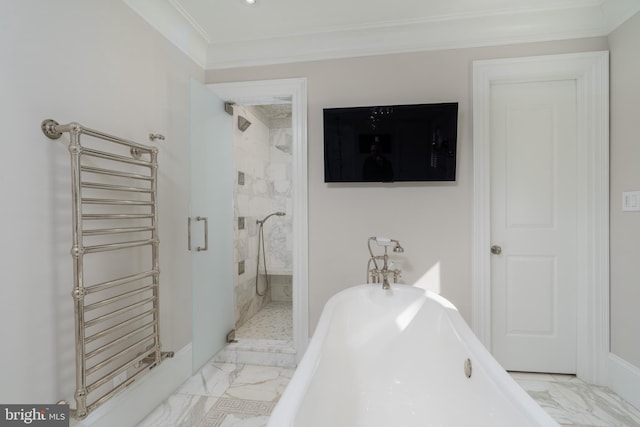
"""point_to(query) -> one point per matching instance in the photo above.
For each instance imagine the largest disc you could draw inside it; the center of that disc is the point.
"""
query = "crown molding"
(445, 32)
(411, 37)
(168, 20)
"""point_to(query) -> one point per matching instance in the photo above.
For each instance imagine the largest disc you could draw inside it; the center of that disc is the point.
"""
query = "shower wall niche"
(263, 176)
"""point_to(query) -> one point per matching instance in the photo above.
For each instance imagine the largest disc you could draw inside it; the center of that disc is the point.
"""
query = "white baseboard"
(624, 379)
(133, 404)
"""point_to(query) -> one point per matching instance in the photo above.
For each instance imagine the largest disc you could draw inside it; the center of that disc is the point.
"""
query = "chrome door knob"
(496, 250)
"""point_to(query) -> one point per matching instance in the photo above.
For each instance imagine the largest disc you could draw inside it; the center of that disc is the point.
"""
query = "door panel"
(529, 166)
(533, 220)
(530, 295)
(211, 199)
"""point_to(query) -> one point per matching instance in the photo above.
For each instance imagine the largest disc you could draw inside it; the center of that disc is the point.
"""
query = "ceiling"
(229, 33)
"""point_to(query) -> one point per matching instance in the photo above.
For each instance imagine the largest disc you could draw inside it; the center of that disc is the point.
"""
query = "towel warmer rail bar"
(117, 282)
(108, 156)
(117, 341)
(115, 216)
(104, 231)
(116, 330)
(117, 313)
(115, 372)
(117, 246)
(53, 130)
(118, 355)
(94, 201)
(119, 297)
(114, 187)
(121, 174)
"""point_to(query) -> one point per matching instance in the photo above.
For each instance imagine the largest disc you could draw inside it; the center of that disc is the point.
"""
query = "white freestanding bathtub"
(397, 358)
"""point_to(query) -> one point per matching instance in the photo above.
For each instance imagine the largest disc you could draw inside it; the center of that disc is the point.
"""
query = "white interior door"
(211, 223)
(534, 221)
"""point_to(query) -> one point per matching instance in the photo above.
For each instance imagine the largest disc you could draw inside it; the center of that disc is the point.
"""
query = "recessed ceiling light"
(250, 2)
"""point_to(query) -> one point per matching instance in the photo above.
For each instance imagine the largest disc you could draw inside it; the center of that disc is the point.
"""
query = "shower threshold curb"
(278, 353)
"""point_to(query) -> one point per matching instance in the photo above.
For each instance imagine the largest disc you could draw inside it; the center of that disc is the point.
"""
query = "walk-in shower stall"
(263, 209)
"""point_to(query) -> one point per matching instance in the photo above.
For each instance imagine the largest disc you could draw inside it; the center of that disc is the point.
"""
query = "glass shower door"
(210, 223)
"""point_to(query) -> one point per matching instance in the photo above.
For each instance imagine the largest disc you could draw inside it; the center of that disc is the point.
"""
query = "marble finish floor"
(223, 395)
(241, 385)
(234, 395)
(572, 402)
(228, 391)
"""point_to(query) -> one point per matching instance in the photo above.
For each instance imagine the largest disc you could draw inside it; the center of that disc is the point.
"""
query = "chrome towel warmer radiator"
(116, 318)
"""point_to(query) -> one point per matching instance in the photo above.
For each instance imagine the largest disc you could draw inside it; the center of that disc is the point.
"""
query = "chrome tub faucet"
(377, 273)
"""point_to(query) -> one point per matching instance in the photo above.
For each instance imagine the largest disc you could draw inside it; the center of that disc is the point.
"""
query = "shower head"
(261, 221)
(243, 123)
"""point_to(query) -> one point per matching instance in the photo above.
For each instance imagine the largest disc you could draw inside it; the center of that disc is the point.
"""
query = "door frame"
(590, 70)
(297, 89)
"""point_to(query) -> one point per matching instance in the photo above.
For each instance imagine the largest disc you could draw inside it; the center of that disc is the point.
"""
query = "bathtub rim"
(286, 409)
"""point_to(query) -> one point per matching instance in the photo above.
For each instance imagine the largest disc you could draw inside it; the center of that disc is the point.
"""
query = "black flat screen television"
(391, 143)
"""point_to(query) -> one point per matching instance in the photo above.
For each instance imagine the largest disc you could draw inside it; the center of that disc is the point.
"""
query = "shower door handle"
(206, 233)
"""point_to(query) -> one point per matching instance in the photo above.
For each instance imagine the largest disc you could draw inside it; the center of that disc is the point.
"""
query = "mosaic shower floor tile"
(272, 322)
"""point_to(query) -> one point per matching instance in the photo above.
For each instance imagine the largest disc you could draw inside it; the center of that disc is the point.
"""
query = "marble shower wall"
(263, 169)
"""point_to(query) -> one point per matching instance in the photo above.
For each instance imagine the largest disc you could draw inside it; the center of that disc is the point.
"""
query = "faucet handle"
(396, 275)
